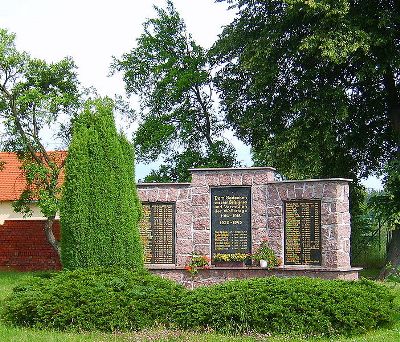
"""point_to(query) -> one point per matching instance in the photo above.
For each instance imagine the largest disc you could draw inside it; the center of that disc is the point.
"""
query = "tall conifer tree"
(100, 208)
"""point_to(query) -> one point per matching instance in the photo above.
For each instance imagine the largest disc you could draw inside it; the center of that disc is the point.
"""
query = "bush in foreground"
(121, 300)
(297, 306)
(99, 299)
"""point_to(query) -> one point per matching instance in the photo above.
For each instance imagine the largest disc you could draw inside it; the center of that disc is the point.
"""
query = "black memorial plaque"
(302, 232)
(230, 220)
(157, 230)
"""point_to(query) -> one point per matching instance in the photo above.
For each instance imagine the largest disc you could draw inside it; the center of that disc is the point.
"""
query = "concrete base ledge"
(216, 275)
(249, 268)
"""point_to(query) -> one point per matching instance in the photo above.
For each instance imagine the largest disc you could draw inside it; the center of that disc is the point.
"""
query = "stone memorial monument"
(230, 211)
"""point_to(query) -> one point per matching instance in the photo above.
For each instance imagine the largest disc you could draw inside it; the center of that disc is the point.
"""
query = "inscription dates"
(230, 220)
(302, 232)
(158, 233)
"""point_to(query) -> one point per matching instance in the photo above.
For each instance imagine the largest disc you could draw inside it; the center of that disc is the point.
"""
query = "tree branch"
(21, 130)
(206, 115)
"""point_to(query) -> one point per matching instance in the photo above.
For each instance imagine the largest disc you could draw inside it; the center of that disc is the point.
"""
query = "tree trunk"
(393, 101)
(48, 229)
(393, 255)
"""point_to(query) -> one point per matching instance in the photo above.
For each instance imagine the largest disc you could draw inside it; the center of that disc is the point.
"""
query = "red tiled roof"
(12, 178)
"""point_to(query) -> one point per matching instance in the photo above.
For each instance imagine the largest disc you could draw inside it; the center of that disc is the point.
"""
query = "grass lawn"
(7, 333)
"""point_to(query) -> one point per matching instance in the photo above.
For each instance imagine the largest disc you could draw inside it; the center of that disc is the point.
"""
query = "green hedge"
(99, 299)
(100, 208)
(300, 306)
(120, 300)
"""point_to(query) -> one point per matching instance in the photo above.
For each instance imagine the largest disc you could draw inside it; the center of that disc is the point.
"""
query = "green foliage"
(387, 207)
(197, 261)
(368, 244)
(42, 176)
(264, 252)
(118, 300)
(394, 273)
(177, 165)
(100, 207)
(93, 299)
(313, 86)
(300, 306)
(33, 96)
(36, 96)
(179, 121)
(387, 203)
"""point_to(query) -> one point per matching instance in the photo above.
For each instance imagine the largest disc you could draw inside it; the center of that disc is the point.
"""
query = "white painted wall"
(7, 213)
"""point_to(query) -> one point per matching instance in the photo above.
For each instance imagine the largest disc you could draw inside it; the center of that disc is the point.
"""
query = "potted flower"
(197, 261)
(265, 255)
(230, 259)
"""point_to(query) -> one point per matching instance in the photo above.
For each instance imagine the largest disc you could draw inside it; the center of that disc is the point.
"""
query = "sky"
(92, 31)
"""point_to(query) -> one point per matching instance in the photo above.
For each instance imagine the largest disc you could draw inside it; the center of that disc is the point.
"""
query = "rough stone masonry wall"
(193, 226)
(181, 195)
(202, 182)
(335, 217)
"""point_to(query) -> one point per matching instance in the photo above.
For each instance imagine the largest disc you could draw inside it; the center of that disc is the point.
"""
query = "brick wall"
(23, 246)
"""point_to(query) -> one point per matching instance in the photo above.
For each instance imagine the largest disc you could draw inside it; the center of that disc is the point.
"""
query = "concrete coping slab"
(346, 180)
(230, 169)
(288, 268)
(162, 184)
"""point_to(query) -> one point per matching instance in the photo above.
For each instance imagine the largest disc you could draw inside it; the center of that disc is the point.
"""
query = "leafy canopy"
(34, 95)
(179, 121)
(313, 85)
(36, 99)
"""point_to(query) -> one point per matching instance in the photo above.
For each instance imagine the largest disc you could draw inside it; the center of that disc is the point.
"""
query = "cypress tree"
(100, 207)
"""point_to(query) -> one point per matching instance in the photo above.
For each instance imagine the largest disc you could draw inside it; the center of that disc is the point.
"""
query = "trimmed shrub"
(297, 306)
(120, 300)
(93, 299)
(100, 208)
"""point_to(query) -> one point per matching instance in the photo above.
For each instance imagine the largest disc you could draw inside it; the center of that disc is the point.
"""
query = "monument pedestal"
(233, 264)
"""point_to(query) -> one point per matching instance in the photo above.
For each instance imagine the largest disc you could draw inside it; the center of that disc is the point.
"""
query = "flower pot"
(228, 263)
(263, 263)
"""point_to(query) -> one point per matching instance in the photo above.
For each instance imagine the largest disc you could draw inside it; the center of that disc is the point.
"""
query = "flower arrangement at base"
(266, 253)
(197, 261)
(231, 257)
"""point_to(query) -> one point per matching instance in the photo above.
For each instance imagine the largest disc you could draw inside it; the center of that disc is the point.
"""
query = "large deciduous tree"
(100, 207)
(34, 95)
(313, 86)
(179, 122)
